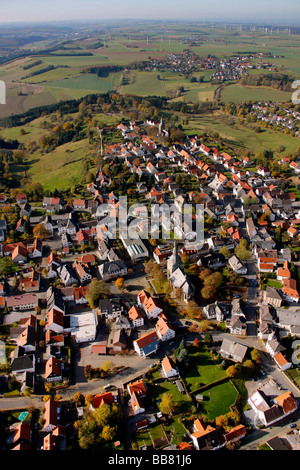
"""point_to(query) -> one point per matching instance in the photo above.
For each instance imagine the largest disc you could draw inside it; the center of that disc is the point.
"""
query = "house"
(51, 415)
(111, 309)
(290, 290)
(137, 392)
(21, 199)
(22, 436)
(281, 362)
(103, 250)
(233, 350)
(79, 204)
(205, 437)
(19, 254)
(235, 434)
(237, 265)
(27, 339)
(283, 273)
(169, 368)
(52, 204)
(21, 364)
(149, 304)
(36, 250)
(22, 302)
(237, 323)
(146, 344)
(164, 329)
(53, 370)
(218, 310)
(82, 273)
(112, 270)
(54, 321)
(105, 398)
(292, 232)
(136, 316)
(56, 440)
(119, 340)
(271, 296)
(55, 300)
(271, 412)
(67, 275)
(31, 283)
(25, 210)
(80, 294)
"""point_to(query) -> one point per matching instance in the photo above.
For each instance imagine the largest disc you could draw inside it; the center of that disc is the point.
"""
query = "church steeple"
(174, 261)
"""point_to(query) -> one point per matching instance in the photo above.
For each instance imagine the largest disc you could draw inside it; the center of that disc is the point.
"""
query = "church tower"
(174, 261)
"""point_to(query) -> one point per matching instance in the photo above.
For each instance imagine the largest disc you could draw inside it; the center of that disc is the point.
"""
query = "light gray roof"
(233, 349)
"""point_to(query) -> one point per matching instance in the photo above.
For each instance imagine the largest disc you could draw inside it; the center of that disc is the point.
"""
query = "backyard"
(203, 370)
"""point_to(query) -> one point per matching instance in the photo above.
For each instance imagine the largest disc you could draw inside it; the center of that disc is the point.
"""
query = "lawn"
(294, 375)
(202, 369)
(147, 437)
(182, 401)
(274, 283)
(218, 399)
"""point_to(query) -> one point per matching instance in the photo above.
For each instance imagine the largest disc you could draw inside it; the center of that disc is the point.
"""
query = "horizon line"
(149, 20)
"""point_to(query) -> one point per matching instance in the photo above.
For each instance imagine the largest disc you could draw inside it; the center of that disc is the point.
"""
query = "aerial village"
(92, 322)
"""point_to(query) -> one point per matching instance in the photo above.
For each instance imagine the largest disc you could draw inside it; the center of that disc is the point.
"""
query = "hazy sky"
(265, 11)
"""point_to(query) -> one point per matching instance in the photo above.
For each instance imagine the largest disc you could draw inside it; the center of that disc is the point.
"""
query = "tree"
(183, 356)
(106, 366)
(241, 250)
(95, 290)
(249, 364)
(167, 403)
(208, 339)
(208, 292)
(39, 231)
(119, 283)
(6, 266)
(255, 356)
(102, 415)
(28, 392)
(108, 433)
(221, 421)
(231, 371)
(78, 398)
(224, 251)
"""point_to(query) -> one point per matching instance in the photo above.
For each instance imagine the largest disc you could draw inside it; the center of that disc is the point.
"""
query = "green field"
(59, 169)
(128, 43)
(237, 94)
(241, 137)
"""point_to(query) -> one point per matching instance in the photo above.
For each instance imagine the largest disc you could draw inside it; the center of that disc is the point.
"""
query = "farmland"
(47, 77)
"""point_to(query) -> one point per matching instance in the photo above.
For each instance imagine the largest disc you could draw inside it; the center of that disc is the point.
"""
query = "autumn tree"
(167, 403)
(39, 231)
(241, 250)
(106, 366)
(255, 356)
(231, 372)
(95, 290)
(78, 398)
(108, 433)
(119, 283)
